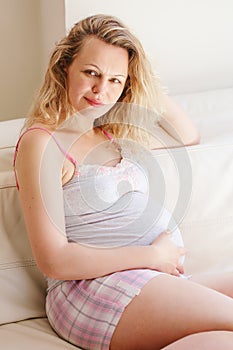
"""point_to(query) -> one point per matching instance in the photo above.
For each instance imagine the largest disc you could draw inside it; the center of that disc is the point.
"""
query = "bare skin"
(204, 341)
(221, 282)
(169, 308)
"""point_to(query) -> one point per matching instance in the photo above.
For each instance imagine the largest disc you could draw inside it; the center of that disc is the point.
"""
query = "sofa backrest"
(22, 286)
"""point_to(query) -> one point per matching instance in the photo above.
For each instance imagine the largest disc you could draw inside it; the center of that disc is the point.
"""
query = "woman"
(115, 274)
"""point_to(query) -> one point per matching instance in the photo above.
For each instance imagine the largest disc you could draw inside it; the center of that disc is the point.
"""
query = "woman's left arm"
(177, 124)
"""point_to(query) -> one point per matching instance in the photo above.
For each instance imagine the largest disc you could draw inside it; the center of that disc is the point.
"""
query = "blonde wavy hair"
(142, 88)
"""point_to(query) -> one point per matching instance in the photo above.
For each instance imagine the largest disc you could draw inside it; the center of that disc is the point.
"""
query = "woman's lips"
(93, 103)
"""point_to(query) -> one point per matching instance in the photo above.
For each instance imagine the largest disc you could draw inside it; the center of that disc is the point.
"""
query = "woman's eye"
(116, 81)
(91, 72)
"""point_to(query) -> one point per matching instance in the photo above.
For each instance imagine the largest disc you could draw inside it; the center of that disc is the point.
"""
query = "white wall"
(28, 30)
(52, 27)
(190, 42)
(20, 43)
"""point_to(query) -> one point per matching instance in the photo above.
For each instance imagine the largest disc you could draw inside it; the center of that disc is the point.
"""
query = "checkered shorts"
(85, 313)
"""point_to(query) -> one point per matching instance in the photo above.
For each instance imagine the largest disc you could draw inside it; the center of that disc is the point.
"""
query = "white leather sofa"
(206, 220)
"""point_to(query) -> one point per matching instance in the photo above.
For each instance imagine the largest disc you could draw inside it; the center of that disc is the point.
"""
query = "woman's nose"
(99, 87)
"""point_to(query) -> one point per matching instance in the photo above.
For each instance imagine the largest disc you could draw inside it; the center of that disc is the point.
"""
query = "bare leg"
(221, 282)
(204, 341)
(167, 309)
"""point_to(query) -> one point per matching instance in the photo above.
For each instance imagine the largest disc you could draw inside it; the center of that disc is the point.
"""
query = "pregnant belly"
(133, 220)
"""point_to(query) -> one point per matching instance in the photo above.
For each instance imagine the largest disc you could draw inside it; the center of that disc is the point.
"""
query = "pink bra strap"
(67, 155)
(111, 138)
(106, 134)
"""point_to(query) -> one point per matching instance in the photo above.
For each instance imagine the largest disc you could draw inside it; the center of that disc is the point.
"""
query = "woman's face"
(97, 75)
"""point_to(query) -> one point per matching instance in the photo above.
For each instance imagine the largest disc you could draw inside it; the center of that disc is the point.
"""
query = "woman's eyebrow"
(115, 75)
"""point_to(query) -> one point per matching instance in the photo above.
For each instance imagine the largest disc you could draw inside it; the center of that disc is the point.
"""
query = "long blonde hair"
(142, 88)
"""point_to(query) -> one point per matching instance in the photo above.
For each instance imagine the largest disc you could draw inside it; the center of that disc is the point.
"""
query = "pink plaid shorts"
(85, 313)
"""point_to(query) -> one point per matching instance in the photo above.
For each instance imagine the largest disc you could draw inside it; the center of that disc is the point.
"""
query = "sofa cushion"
(23, 287)
(9, 132)
(33, 334)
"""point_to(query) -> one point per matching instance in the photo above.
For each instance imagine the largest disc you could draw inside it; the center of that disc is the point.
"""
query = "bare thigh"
(221, 282)
(167, 309)
(205, 341)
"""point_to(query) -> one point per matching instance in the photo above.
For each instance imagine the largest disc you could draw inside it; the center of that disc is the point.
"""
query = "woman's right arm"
(39, 173)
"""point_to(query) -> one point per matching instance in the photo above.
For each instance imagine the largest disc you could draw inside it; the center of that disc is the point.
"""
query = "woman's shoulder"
(38, 131)
(34, 141)
(34, 152)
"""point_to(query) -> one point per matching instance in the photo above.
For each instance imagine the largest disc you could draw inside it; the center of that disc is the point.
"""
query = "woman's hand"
(165, 255)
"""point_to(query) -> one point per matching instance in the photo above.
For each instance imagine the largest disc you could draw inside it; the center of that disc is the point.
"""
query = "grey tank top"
(112, 207)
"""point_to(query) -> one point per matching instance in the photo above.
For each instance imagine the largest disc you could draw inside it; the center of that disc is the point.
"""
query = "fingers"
(174, 269)
(177, 270)
(175, 273)
(180, 269)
